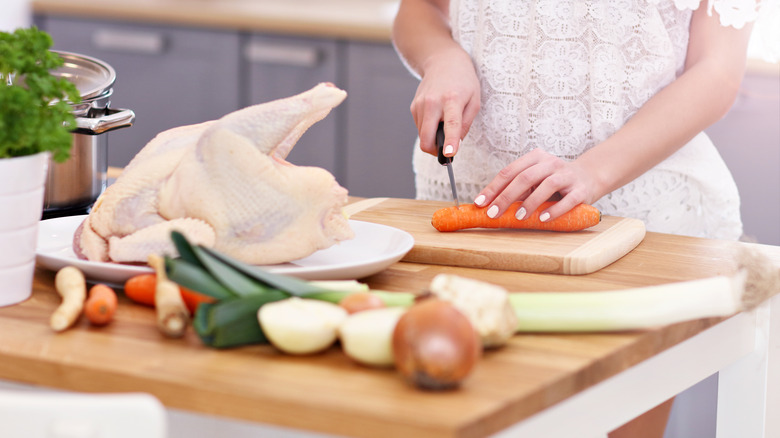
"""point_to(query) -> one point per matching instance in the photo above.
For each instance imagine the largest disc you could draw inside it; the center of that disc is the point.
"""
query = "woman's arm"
(700, 96)
(449, 88)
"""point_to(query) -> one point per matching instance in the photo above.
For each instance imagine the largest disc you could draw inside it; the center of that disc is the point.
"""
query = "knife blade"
(446, 161)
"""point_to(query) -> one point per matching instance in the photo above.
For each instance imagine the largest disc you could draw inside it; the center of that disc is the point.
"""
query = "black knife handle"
(440, 145)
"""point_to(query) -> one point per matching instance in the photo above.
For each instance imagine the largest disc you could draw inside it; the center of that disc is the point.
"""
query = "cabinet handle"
(281, 54)
(145, 43)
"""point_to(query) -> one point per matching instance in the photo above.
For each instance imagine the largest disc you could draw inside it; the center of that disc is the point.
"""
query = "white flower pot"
(21, 205)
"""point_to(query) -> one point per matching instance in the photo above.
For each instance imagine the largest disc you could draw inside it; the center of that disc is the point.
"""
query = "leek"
(195, 278)
(391, 299)
(629, 309)
(233, 322)
(239, 283)
(291, 285)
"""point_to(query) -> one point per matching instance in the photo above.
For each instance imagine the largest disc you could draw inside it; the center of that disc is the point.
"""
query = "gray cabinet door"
(278, 67)
(380, 132)
(168, 76)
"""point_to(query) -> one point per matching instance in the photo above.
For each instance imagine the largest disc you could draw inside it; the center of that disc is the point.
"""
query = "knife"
(446, 161)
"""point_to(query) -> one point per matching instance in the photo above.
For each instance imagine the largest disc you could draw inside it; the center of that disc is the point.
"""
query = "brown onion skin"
(435, 346)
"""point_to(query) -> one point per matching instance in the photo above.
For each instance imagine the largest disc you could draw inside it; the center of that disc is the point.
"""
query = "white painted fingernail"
(520, 213)
(448, 150)
(492, 211)
(544, 217)
(480, 200)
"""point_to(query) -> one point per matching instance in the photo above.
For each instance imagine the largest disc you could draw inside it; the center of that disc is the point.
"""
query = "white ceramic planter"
(21, 205)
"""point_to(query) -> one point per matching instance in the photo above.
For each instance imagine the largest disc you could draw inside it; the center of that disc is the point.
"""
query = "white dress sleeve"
(764, 14)
(734, 13)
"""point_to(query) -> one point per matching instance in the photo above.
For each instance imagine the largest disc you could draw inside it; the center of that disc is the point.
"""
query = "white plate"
(374, 248)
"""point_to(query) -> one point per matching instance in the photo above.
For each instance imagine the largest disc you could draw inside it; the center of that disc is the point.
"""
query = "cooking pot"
(73, 185)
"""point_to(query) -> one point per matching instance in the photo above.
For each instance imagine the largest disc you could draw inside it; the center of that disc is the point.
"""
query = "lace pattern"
(563, 75)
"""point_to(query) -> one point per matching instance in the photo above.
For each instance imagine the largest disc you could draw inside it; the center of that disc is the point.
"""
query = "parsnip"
(486, 305)
(172, 314)
(367, 336)
(301, 326)
(72, 287)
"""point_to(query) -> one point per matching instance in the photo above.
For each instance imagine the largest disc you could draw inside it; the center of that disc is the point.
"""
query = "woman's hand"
(449, 87)
(535, 178)
(700, 96)
(449, 91)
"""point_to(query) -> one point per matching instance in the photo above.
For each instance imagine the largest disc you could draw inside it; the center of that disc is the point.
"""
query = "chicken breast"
(224, 184)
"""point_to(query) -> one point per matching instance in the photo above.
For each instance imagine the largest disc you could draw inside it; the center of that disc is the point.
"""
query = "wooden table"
(547, 385)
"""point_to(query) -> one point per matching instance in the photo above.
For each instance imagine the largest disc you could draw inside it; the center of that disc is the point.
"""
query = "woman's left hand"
(534, 178)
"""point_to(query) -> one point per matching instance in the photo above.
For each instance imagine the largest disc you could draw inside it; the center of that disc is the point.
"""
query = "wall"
(16, 13)
(748, 138)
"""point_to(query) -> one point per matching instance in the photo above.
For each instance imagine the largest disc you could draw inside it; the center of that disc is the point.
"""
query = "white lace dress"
(565, 75)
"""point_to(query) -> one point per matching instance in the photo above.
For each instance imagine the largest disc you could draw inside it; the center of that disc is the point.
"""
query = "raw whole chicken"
(224, 184)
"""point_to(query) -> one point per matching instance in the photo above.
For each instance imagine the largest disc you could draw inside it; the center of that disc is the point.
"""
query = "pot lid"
(92, 77)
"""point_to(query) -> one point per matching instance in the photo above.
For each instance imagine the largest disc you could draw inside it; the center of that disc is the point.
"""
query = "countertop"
(352, 19)
(329, 393)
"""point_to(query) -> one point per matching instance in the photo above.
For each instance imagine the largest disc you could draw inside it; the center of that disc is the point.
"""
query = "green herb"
(35, 105)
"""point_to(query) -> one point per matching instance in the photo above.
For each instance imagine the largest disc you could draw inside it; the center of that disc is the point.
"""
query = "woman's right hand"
(449, 91)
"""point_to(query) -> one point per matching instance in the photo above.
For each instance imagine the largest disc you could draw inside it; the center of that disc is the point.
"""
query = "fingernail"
(520, 213)
(480, 200)
(544, 217)
(448, 150)
(492, 211)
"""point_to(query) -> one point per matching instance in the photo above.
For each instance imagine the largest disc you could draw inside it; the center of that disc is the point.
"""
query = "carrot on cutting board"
(101, 304)
(141, 289)
(471, 216)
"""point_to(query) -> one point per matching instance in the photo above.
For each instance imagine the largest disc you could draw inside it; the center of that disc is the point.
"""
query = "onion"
(359, 301)
(435, 346)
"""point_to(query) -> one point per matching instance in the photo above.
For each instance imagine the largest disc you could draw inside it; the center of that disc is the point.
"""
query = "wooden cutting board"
(575, 253)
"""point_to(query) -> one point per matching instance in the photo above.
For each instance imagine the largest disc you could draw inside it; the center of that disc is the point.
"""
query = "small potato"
(300, 325)
(367, 336)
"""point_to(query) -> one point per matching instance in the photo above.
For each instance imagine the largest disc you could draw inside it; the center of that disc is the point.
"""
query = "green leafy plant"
(35, 105)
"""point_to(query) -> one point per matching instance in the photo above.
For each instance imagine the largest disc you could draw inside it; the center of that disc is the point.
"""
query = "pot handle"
(105, 120)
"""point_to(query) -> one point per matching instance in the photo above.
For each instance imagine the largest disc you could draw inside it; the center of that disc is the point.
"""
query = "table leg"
(608, 404)
(749, 389)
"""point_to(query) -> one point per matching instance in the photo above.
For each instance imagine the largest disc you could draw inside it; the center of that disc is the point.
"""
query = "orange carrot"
(193, 299)
(101, 304)
(470, 216)
(141, 289)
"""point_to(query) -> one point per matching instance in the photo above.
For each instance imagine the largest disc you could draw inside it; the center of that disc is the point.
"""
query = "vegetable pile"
(433, 339)
(240, 290)
(375, 328)
(35, 106)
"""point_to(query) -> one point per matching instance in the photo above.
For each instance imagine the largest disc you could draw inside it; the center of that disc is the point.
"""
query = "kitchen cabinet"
(169, 76)
(174, 75)
(279, 67)
(380, 132)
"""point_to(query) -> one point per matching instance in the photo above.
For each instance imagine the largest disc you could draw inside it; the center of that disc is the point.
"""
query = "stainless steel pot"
(74, 185)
